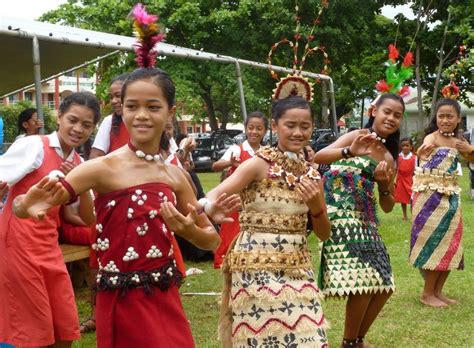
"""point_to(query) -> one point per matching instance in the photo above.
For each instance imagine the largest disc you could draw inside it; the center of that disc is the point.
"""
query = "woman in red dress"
(256, 125)
(406, 163)
(37, 306)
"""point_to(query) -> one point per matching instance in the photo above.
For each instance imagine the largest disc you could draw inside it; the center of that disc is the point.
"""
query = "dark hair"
(433, 126)
(280, 106)
(86, 99)
(402, 140)
(25, 116)
(165, 142)
(393, 140)
(158, 77)
(119, 78)
(256, 114)
(117, 119)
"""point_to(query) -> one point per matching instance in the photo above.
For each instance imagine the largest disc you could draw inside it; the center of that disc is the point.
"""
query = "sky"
(32, 9)
(27, 9)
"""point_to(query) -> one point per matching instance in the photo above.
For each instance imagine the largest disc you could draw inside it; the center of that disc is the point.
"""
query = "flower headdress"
(148, 34)
(295, 84)
(395, 77)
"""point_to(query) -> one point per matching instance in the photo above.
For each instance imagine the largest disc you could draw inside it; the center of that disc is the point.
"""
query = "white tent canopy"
(31, 49)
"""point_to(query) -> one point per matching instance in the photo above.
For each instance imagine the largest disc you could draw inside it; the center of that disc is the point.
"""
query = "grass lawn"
(403, 322)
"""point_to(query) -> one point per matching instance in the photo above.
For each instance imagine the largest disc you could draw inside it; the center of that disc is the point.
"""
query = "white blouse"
(26, 155)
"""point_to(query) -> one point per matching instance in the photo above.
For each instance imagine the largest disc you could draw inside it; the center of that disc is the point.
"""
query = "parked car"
(266, 138)
(322, 138)
(210, 148)
(240, 138)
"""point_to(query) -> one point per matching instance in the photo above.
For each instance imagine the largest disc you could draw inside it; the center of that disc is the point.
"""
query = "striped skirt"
(436, 232)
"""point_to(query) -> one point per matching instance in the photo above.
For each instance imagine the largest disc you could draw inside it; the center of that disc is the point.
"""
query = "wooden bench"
(76, 256)
(74, 252)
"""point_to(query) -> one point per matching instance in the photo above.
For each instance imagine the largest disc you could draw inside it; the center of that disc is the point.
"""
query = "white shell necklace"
(377, 137)
(140, 154)
(446, 134)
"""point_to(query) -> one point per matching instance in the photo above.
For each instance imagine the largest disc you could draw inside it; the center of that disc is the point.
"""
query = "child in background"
(437, 229)
(37, 306)
(28, 123)
(406, 163)
(256, 126)
(354, 260)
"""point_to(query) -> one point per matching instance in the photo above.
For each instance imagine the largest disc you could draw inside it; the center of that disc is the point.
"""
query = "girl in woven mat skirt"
(436, 234)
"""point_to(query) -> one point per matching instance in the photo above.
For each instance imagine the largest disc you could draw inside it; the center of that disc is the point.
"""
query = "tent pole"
(333, 106)
(37, 72)
(243, 107)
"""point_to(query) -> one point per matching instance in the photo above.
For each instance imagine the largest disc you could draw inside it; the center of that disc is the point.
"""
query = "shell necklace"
(140, 154)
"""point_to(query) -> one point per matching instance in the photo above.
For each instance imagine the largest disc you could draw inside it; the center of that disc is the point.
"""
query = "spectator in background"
(28, 123)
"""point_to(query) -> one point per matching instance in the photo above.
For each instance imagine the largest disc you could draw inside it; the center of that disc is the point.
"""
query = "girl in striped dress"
(437, 228)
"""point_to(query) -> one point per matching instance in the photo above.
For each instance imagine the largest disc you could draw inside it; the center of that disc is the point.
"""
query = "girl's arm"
(313, 195)
(385, 177)
(357, 142)
(86, 208)
(71, 216)
(49, 192)
(254, 169)
(184, 219)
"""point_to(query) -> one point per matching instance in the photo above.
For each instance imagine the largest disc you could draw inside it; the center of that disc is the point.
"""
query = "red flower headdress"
(395, 77)
(295, 84)
(148, 35)
(451, 90)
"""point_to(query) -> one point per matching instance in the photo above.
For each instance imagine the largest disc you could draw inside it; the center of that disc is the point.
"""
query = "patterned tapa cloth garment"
(270, 296)
(354, 260)
(138, 279)
(437, 224)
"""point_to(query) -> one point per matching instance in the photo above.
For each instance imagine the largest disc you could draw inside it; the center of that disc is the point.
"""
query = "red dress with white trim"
(138, 303)
(37, 304)
(229, 230)
(405, 171)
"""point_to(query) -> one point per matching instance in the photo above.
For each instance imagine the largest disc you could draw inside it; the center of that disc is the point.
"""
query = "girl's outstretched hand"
(222, 207)
(383, 174)
(176, 221)
(425, 150)
(310, 193)
(361, 144)
(39, 198)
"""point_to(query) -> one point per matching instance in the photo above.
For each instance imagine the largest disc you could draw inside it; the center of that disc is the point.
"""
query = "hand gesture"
(425, 150)
(44, 195)
(234, 161)
(176, 221)
(463, 147)
(190, 144)
(310, 192)
(361, 144)
(222, 207)
(66, 167)
(383, 174)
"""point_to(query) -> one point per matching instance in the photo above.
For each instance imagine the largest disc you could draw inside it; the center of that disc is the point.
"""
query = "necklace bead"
(446, 134)
(141, 154)
(377, 137)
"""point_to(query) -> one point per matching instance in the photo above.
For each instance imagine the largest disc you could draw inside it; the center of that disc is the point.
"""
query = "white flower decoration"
(99, 228)
(139, 198)
(141, 230)
(130, 213)
(154, 252)
(111, 267)
(111, 204)
(136, 278)
(130, 255)
(156, 276)
(101, 244)
(153, 213)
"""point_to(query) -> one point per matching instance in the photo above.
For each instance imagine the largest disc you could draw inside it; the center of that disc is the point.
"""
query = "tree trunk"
(324, 105)
(419, 88)
(440, 67)
(211, 112)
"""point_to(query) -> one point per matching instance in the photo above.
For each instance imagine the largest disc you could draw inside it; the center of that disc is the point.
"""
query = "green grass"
(403, 322)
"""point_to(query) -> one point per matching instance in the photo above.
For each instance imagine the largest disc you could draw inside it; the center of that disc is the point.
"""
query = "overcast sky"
(33, 9)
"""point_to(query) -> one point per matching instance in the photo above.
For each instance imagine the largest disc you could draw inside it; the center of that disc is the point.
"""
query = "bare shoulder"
(430, 139)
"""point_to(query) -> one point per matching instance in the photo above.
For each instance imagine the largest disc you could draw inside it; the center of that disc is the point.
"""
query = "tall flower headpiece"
(294, 83)
(452, 90)
(395, 76)
(148, 34)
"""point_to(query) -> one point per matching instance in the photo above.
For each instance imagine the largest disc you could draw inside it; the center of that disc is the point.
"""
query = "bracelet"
(346, 152)
(315, 216)
(205, 206)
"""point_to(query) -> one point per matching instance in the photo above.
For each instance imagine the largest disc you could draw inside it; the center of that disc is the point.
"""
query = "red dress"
(37, 304)
(405, 170)
(229, 231)
(138, 303)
